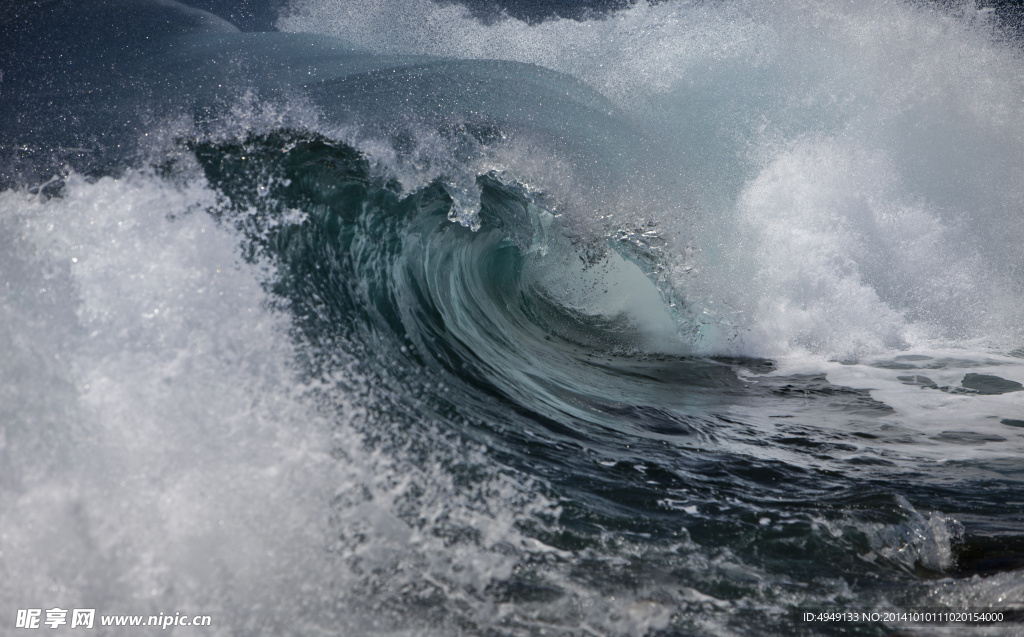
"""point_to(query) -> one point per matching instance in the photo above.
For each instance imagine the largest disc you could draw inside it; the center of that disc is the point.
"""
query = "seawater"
(681, 319)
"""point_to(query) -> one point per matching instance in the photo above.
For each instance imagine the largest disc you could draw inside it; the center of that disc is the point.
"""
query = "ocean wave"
(675, 319)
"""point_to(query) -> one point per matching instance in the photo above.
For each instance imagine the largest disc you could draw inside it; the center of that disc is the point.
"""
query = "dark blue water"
(398, 318)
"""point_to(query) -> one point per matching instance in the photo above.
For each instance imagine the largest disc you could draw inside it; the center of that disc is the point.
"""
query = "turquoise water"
(686, 319)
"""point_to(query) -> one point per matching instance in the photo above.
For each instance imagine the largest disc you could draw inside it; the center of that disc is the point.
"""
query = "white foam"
(167, 461)
(160, 452)
(844, 263)
(934, 420)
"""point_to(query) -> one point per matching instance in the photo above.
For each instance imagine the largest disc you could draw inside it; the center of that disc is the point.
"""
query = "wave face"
(681, 319)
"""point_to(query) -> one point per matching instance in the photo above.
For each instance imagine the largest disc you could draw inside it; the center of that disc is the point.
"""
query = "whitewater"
(404, 318)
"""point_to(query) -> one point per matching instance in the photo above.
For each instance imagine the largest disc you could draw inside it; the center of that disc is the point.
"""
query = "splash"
(843, 179)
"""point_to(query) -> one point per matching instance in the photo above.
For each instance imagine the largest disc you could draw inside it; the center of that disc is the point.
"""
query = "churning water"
(681, 319)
